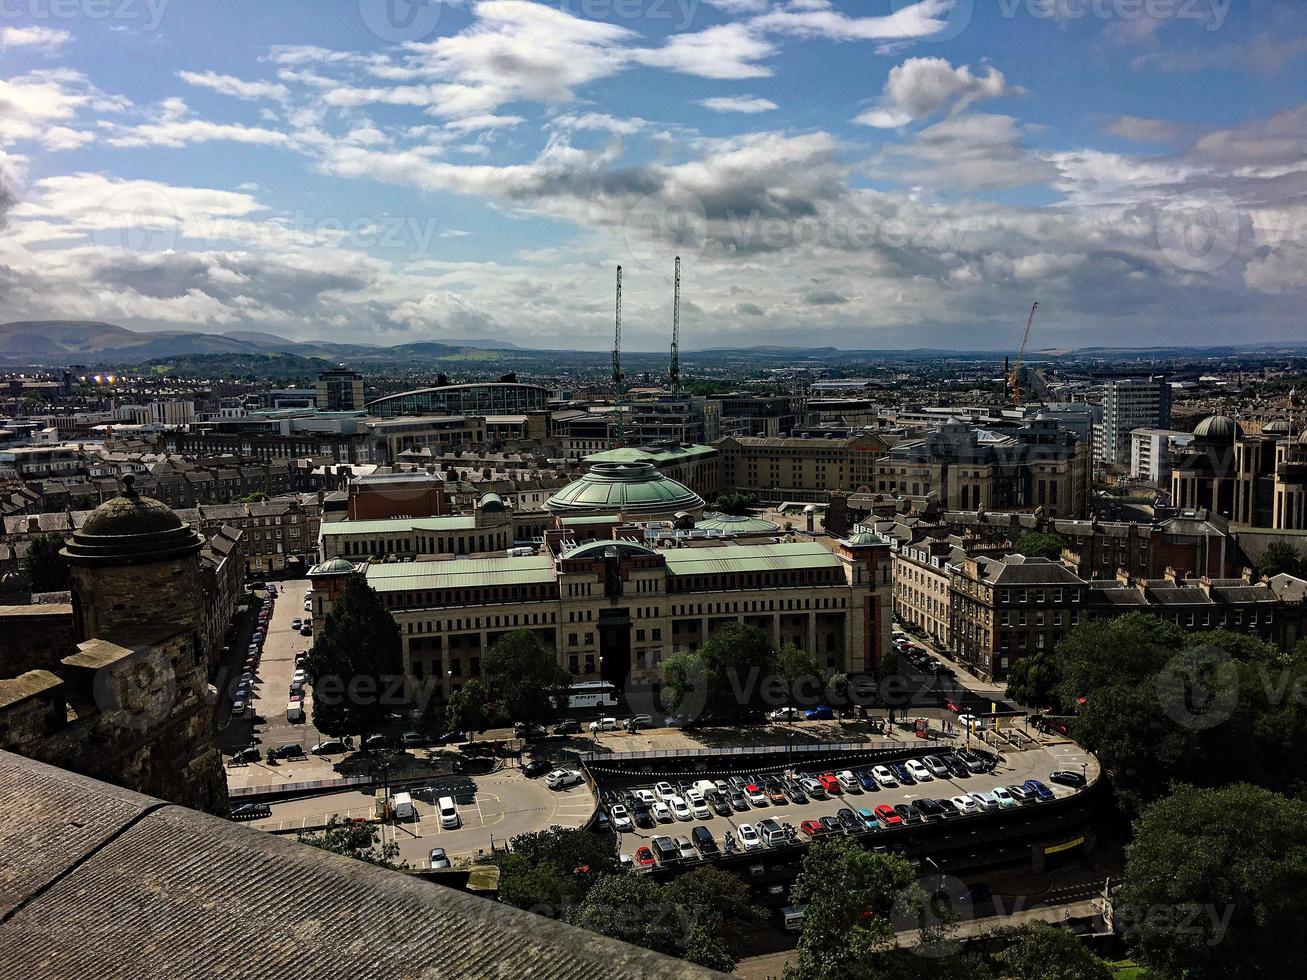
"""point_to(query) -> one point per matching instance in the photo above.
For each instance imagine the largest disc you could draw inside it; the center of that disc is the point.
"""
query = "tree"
(1281, 557)
(1038, 951)
(722, 911)
(1033, 681)
(851, 894)
(468, 709)
(1037, 544)
(47, 570)
(736, 661)
(734, 503)
(837, 688)
(361, 841)
(1202, 899)
(355, 662)
(525, 678)
(550, 871)
(803, 675)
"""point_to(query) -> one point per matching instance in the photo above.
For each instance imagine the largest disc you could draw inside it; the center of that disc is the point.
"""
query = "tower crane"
(617, 365)
(1014, 378)
(674, 371)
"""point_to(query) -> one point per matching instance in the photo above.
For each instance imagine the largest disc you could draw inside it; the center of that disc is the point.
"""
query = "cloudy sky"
(884, 173)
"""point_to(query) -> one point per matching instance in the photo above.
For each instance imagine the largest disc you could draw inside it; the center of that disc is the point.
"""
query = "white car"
(723, 787)
(661, 813)
(965, 804)
(664, 791)
(785, 714)
(680, 809)
(849, 781)
(562, 778)
(918, 772)
(884, 777)
(698, 805)
(621, 818)
(749, 838)
(645, 796)
(984, 801)
(308, 605)
(1004, 798)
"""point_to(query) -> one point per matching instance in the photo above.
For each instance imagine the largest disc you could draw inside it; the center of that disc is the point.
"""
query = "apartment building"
(922, 583)
(777, 469)
(1129, 404)
(1150, 453)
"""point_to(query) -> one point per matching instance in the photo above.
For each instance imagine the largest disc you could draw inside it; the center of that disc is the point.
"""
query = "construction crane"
(617, 365)
(1014, 378)
(674, 371)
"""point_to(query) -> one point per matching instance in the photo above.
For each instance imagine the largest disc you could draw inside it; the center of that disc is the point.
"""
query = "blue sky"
(892, 173)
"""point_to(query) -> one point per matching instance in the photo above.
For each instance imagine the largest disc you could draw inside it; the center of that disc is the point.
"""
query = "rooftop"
(143, 889)
(461, 573)
(749, 558)
(398, 525)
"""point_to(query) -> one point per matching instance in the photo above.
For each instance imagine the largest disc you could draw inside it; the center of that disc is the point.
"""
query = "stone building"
(793, 468)
(922, 583)
(115, 685)
(1257, 480)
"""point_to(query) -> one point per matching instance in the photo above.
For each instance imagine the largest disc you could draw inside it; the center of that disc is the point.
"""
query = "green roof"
(717, 560)
(461, 573)
(596, 549)
(635, 488)
(650, 455)
(398, 525)
(742, 524)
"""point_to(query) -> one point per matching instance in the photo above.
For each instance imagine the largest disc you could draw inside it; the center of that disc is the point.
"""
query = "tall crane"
(674, 371)
(1014, 378)
(617, 365)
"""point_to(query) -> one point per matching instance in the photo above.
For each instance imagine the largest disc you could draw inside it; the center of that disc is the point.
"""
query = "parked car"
(973, 761)
(1065, 777)
(868, 818)
(749, 838)
(965, 805)
(755, 795)
(867, 780)
(820, 713)
(1021, 794)
(812, 787)
(1037, 789)
(251, 811)
(812, 828)
(451, 738)
(719, 803)
(377, 741)
(918, 772)
(536, 767)
(248, 754)
(621, 818)
(288, 750)
(984, 800)
(771, 832)
(329, 746)
(562, 778)
(643, 815)
(849, 820)
(848, 782)
(704, 841)
(686, 849)
(829, 783)
(522, 729)
(908, 812)
(665, 850)
(936, 766)
(296, 623)
(775, 794)
(698, 806)
(956, 767)
(412, 740)
(664, 791)
(784, 714)
(738, 800)
(662, 812)
(832, 825)
(930, 809)
(1003, 797)
(884, 777)
(568, 727)
(438, 859)
(886, 814)
(239, 707)
(644, 857)
(680, 809)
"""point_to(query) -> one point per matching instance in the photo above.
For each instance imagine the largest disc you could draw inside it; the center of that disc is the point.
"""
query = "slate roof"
(97, 881)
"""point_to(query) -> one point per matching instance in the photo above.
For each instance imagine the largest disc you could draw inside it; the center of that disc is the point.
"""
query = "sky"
(877, 174)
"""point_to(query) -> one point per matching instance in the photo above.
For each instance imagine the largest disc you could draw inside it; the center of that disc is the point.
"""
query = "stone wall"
(34, 637)
(112, 601)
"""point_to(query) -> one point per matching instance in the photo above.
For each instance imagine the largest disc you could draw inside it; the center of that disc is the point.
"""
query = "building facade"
(922, 583)
(777, 469)
(1129, 404)
(339, 390)
(488, 398)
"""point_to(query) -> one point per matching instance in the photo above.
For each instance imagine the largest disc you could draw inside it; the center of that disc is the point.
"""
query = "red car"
(886, 815)
(812, 828)
(954, 707)
(644, 857)
(830, 784)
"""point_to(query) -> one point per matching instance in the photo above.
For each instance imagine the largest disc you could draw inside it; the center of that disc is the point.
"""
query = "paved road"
(505, 804)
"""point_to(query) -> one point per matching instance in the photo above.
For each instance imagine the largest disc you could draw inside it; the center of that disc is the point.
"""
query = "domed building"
(1277, 427)
(1218, 429)
(1259, 480)
(737, 525)
(636, 491)
(118, 681)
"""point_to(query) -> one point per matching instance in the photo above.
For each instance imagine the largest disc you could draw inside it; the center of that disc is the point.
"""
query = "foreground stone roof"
(97, 881)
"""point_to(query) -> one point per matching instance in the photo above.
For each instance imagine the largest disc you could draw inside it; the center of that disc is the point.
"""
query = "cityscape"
(467, 514)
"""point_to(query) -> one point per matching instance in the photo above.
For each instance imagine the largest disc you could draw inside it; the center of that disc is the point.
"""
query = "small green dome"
(491, 503)
(634, 489)
(864, 537)
(736, 524)
(334, 566)
(1218, 428)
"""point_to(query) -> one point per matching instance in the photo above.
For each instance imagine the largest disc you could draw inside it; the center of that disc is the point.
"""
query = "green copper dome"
(632, 489)
(736, 524)
(1218, 428)
(334, 566)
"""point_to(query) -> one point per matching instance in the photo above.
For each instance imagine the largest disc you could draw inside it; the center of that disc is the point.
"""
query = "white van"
(448, 813)
(402, 807)
(295, 711)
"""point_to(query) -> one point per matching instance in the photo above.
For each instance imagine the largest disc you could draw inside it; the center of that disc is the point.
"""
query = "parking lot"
(1013, 769)
(490, 808)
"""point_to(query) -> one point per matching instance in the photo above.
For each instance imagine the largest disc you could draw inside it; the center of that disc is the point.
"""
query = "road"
(503, 805)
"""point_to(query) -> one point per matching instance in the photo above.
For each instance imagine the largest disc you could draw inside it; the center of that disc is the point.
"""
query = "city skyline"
(884, 176)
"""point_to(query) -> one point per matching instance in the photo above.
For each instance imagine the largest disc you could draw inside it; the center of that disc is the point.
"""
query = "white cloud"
(237, 87)
(921, 87)
(738, 103)
(916, 21)
(723, 51)
(45, 38)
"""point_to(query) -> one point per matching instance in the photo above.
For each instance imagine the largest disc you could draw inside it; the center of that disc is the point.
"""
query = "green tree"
(722, 912)
(47, 570)
(550, 871)
(1281, 557)
(737, 660)
(525, 678)
(1037, 544)
(837, 688)
(734, 503)
(800, 670)
(468, 709)
(361, 841)
(1201, 898)
(354, 663)
(1038, 951)
(1033, 681)
(851, 895)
